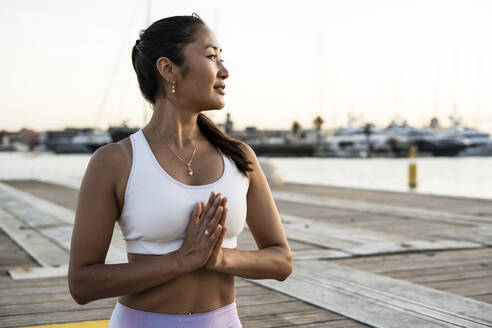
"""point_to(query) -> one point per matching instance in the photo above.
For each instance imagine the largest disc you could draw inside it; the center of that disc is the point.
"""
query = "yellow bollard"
(412, 168)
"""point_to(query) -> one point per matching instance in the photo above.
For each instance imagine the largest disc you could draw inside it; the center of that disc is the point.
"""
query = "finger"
(223, 203)
(224, 216)
(216, 233)
(218, 243)
(213, 208)
(215, 219)
(199, 212)
(211, 197)
(221, 237)
(194, 215)
(210, 202)
(202, 208)
(217, 202)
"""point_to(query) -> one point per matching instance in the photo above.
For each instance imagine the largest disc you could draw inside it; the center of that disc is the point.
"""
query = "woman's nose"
(223, 72)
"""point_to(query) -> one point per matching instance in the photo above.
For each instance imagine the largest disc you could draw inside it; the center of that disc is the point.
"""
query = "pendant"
(190, 171)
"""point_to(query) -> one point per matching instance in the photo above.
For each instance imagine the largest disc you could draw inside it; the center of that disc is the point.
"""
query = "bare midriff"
(199, 291)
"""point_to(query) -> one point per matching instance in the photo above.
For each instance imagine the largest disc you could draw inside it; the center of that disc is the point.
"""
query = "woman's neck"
(177, 126)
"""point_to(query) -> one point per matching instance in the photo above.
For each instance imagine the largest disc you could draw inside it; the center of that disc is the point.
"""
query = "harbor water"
(454, 176)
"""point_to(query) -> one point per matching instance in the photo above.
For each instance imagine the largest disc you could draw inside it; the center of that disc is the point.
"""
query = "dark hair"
(167, 37)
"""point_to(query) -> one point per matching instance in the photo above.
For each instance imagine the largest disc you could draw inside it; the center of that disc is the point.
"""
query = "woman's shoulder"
(113, 154)
(248, 151)
(112, 160)
(110, 165)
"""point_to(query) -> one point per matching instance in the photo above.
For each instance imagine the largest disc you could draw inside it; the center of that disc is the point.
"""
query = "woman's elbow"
(76, 288)
(287, 267)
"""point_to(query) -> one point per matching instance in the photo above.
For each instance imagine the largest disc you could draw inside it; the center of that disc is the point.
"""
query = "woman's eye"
(215, 57)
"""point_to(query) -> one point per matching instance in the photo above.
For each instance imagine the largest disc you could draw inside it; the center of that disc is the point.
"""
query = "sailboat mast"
(436, 91)
(479, 79)
(147, 23)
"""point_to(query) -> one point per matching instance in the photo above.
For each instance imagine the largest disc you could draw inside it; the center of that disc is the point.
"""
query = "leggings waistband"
(224, 317)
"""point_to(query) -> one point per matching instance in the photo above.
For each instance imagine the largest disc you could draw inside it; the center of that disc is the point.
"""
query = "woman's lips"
(220, 90)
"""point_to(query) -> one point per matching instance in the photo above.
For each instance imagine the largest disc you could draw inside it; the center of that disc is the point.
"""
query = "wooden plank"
(251, 290)
(409, 246)
(487, 298)
(464, 205)
(358, 241)
(312, 254)
(12, 255)
(317, 240)
(6, 282)
(341, 232)
(387, 264)
(380, 301)
(58, 212)
(276, 308)
(453, 276)
(284, 319)
(384, 209)
(43, 250)
(402, 291)
(65, 196)
(446, 272)
(261, 299)
(40, 272)
(63, 306)
(54, 317)
(45, 297)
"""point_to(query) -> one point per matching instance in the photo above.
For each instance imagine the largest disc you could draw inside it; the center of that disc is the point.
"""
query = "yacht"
(74, 140)
(478, 143)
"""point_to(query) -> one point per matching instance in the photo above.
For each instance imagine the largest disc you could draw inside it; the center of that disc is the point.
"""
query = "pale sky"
(288, 60)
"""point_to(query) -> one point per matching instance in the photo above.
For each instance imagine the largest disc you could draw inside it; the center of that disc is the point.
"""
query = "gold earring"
(173, 90)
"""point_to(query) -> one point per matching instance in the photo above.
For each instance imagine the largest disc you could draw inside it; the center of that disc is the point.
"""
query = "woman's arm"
(97, 210)
(273, 259)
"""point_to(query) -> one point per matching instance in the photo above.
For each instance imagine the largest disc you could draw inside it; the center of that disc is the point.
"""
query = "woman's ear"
(166, 68)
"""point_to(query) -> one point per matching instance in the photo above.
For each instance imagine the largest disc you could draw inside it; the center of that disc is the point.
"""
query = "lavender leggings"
(125, 317)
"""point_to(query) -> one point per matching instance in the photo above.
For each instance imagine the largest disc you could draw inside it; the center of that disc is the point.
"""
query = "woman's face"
(203, 85)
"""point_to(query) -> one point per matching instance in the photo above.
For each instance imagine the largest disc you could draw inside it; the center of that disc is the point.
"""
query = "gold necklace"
(188, 165)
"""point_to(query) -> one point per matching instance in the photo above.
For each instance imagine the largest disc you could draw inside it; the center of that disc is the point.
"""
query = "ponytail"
(227, 145)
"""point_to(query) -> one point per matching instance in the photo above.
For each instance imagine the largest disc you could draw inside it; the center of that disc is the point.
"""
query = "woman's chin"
(219, 104)
(214, 106)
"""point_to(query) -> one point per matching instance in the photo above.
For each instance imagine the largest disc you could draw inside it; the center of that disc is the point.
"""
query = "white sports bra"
(157, 207)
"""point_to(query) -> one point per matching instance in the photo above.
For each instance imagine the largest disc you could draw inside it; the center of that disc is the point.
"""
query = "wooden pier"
(362, 258)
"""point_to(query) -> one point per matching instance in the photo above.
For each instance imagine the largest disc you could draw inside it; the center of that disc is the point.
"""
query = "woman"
(181, 192)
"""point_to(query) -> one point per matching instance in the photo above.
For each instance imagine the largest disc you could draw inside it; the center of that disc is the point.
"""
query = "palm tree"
(295, 127)
(318, 122)
(367, 132)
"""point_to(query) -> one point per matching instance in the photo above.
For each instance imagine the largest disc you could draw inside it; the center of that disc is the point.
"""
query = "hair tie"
(138, 45)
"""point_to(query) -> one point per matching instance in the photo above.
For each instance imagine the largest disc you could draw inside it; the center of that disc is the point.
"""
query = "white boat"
(75, 140)
(478, 143)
